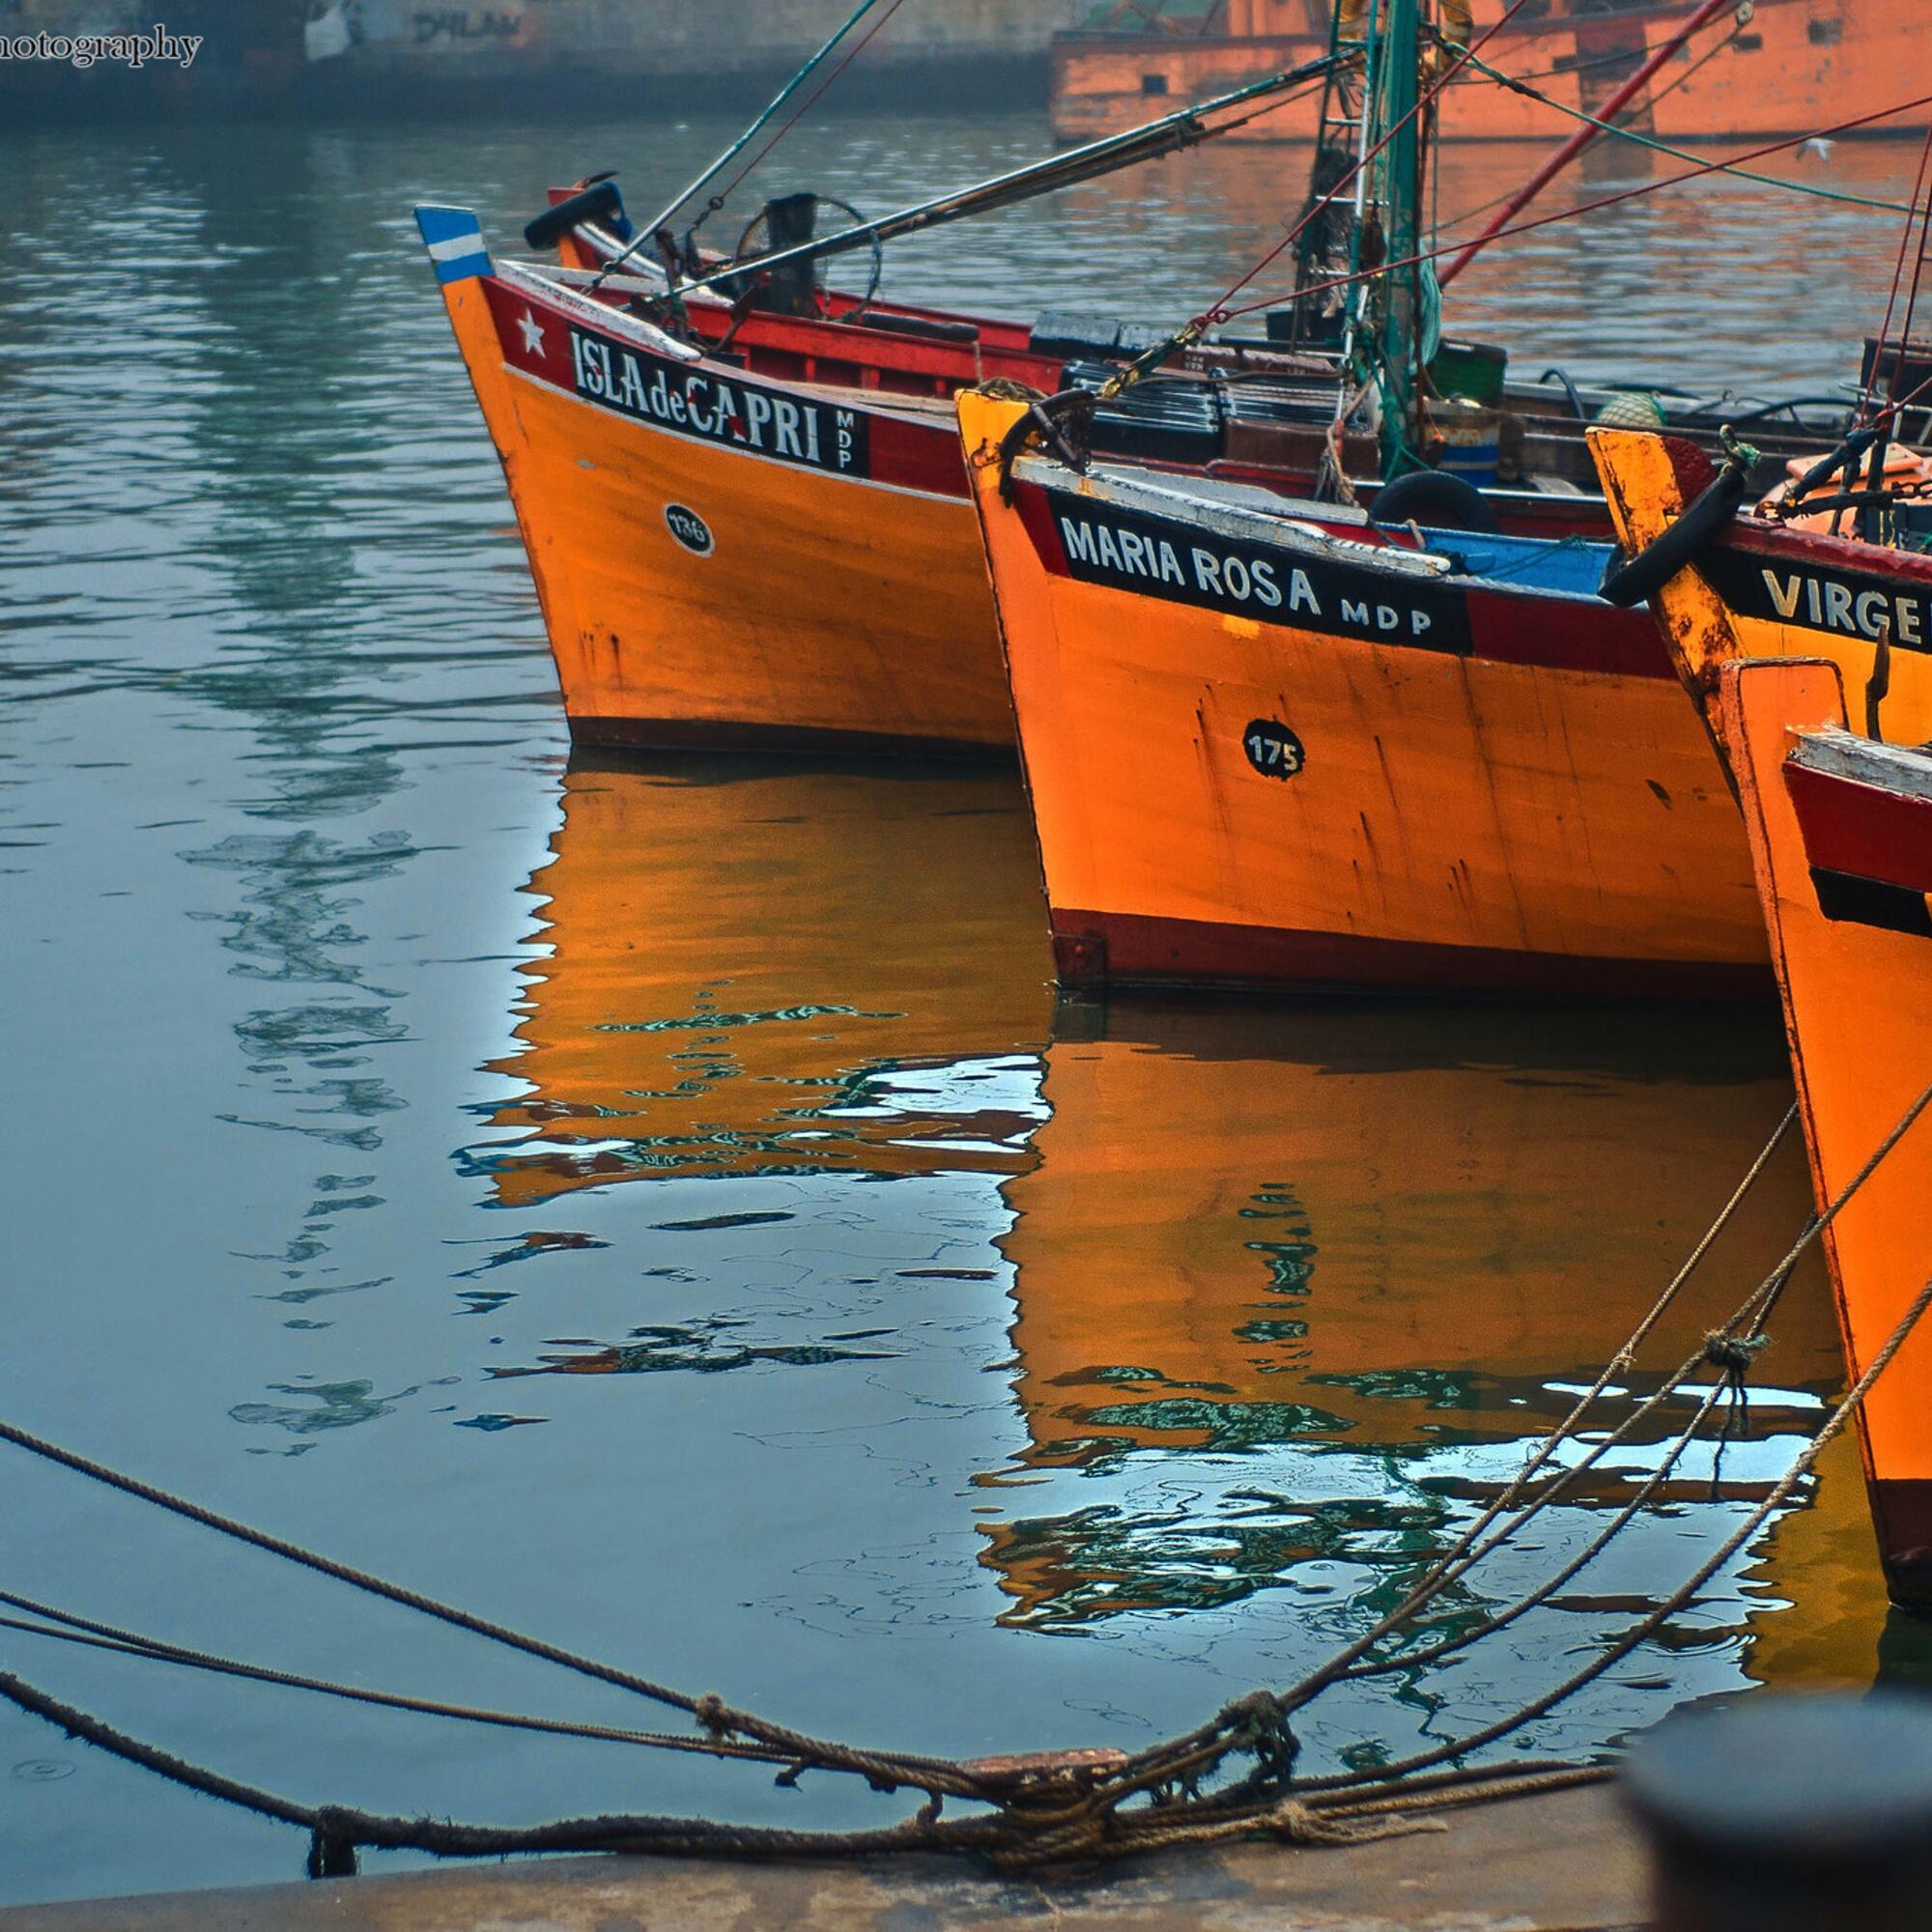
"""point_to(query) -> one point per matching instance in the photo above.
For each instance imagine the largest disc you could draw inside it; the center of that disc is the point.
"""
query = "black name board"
(699, 403)
(1842, 603)
(1188, 563)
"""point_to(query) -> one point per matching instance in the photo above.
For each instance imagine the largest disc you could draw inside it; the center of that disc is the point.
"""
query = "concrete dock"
(1564, 1862)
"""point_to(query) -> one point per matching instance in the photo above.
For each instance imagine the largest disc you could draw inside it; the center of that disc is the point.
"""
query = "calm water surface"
(659, 1204)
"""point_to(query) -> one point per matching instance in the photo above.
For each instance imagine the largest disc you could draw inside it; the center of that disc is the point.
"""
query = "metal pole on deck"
(1401, 163)
(1181, 128)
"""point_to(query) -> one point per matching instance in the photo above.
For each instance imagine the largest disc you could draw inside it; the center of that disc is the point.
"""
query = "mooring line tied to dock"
(1234, 1777)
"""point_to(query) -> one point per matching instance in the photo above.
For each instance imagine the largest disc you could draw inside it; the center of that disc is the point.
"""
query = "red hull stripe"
(1774, 543)
(683, 734)
(1000, 349)
(1902, 1512)
(1862, 831)
(1583, 634)
(1098, 948)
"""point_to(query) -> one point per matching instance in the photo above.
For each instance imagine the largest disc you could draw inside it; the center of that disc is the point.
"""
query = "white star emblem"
(532, 334)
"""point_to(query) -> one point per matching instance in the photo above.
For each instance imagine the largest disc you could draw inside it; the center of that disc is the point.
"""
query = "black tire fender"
(590, 204)
(1437, 502)
(1640, 577)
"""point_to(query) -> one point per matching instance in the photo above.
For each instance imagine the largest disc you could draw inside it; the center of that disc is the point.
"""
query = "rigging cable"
(1624, 132)
(1898, 277)
(852, 53)
(1221, 315)
(650, 228)
(1912, 296)
(1425, 100)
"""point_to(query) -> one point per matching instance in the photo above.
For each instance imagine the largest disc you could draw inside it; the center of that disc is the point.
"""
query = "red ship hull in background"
(1766, 69)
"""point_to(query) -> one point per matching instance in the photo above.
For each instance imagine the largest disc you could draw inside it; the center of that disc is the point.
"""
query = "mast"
(1326, 252)
(1398, 90)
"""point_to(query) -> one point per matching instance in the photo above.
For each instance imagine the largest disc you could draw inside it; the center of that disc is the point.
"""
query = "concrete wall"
(665, 37)
(430, 55)
(707, 35)
(695, 50)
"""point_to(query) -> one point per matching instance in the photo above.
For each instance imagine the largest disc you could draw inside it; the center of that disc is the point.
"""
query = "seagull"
(1817, 145)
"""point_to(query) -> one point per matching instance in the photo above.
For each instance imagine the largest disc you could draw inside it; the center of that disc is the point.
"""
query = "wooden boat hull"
(731, 561)
(1776, 630)
(1843, 867)
(1481, 790)
(1790, 66)
(1763, 591)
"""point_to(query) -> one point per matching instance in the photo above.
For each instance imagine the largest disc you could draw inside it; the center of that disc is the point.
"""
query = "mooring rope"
(1647, 1627)
(1430, 1653)
(717, 1717)
(92, 1634)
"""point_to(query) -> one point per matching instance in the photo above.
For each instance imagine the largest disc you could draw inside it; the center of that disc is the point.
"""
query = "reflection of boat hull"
(1473, 788)
(1488, 1209)
(719, 997)
(1785, 67)
(1346, 1234)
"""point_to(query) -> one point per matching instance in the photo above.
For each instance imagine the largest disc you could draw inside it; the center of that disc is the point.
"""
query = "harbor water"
(659, 1203)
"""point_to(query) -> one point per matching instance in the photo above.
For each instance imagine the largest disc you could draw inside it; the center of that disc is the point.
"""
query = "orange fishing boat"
(1840, 828)
(725, 558)
(1262, 755)
(1773, 628)
(1763, 68)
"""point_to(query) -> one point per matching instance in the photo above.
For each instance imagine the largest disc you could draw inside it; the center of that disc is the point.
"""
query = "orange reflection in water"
(751, 961)
(1397, 1232)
